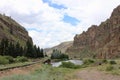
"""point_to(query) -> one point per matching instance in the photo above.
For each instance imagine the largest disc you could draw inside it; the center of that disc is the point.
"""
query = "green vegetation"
(65, 71)
(69, 65)
(9, 59)
(14, 49)
(109, 68)
(104, 61)
(46, 72)
(3, 60)
(88, 61)
(21, 59)
(14, 65)
(112, 62)
(112, 67)
(106, 65)
(56, 54)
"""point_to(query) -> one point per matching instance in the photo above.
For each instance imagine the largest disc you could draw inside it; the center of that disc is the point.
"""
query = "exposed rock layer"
(102, 41)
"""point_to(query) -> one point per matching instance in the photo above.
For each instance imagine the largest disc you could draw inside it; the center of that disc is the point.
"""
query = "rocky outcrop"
(101, 41)
(11, 30)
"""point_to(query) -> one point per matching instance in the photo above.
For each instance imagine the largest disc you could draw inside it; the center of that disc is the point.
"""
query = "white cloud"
(45, 23)
(20, 6)
(89, 11)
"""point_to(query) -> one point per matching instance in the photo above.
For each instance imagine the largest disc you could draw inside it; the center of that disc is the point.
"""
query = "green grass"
(45, 73)
(14, 65)
(111, 68)
(70, 65)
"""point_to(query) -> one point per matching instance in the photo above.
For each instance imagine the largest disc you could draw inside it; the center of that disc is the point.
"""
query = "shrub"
(10, 59)
(118, 67)
(88, 61)
(109, 68)
(69, 65)
(3, 60)
(112, 62)
(104, 61)
(21, 59)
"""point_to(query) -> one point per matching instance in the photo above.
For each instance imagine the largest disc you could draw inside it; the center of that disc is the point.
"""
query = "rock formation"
(101, 41)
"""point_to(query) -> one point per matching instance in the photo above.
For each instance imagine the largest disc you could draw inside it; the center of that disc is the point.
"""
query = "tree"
(35, 51)
(18, 50)
(4, 47)
(41, 53)
(11, 49)
(14, 49)
(38, 52)
(58, 55)
(29, 50)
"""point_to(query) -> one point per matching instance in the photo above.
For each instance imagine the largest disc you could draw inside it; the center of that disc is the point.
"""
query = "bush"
(69, 65)
(88, 61)
(118, 67)
(3, 60)
(21, 59)
(104, 61)
(10, 59)
(112, 62)
(109, 68)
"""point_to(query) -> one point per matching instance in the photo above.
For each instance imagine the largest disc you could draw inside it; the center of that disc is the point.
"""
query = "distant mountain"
(101, 41)
(62, 47)
(13, 31)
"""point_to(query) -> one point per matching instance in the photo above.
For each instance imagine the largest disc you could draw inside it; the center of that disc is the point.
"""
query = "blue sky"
(57, 6)
(68, 19)
(50, 22)
(71, 20)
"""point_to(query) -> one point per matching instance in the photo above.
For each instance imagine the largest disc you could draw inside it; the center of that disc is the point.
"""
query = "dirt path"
(95, 75)
(22, 70)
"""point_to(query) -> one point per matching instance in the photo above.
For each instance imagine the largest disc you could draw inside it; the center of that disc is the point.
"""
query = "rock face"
(61, 47)
(11, 30)
(101, 41)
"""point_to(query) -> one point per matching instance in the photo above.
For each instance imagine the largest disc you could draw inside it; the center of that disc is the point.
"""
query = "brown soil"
(22, 70)
(95, 75)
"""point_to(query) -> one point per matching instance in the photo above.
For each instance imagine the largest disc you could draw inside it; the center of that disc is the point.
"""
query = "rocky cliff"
(11, 30)
(101, 41)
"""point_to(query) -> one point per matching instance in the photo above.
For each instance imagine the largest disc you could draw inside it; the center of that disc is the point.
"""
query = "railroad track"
(20, 66)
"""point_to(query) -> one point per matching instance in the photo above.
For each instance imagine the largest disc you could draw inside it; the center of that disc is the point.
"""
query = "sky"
(50, 22)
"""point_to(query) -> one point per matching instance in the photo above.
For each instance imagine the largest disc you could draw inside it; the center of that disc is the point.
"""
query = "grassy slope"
(6, 29)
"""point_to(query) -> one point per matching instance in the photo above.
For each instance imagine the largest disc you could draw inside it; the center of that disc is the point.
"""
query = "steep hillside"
(101, 41)
(62, 47)
(11, 30)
